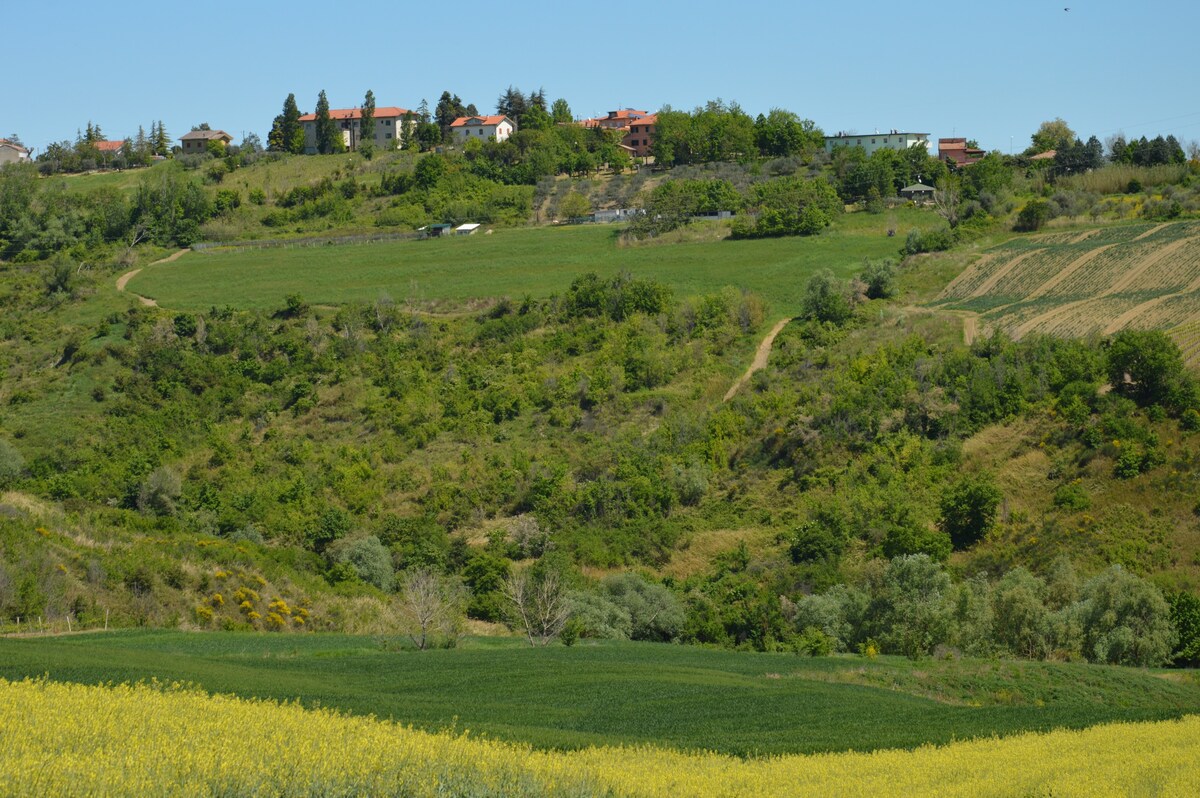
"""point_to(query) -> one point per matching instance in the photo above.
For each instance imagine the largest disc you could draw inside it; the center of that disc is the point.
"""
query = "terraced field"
(1095, 282)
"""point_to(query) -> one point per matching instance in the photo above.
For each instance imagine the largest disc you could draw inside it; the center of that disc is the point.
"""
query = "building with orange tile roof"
(481, 128)
(388, 134)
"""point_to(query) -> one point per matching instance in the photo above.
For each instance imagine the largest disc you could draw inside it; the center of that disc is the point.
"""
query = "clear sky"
(988, 71)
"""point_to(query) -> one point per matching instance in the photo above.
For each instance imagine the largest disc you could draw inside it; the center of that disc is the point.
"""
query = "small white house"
(892, 140)
(466, 229)
(11, 152)
(482, 128)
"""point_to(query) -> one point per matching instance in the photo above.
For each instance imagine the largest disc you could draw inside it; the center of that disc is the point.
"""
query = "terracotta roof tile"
(382, 112)
(462, 121)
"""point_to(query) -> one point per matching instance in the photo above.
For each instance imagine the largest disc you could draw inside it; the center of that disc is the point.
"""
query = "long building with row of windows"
(388, 133)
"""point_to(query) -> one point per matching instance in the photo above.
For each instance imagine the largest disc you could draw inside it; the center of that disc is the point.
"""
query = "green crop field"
(515, 263)
(627, 693)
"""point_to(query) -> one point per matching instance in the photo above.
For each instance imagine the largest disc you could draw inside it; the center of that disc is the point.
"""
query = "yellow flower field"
(73, 740)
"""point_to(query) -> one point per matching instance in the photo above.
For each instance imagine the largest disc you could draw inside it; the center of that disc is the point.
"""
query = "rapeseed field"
(170, 740)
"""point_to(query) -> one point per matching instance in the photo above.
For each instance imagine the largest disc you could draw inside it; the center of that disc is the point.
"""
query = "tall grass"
(1116, 178)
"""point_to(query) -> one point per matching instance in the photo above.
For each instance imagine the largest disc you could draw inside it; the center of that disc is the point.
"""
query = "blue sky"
(991, 71)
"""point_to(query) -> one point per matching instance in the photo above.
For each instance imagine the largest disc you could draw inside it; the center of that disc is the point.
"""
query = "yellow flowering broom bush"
(156, 740)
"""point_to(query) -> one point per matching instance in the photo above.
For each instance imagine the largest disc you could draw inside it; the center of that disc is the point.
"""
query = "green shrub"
(825, 299)
(969, 509)
(813, 642)
(1033, 216)
(813, 541)
(880, 277)
(655, 613)
(370, 560)
(12, 464)
(159, 493)
(1072, 496)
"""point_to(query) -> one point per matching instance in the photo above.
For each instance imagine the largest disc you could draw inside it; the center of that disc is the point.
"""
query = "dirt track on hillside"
(124, 279)
(760, 358)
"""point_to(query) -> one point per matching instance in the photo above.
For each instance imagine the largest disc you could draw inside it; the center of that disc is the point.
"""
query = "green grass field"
(627, 693)
(515, 263)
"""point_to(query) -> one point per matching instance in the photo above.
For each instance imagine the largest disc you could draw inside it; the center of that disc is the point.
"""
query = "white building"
(493, 128)
(11, 152)
(892, 140)
(389, 128)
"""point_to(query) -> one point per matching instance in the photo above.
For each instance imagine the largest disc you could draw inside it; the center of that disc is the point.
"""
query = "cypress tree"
(366, 129)
(327, 132)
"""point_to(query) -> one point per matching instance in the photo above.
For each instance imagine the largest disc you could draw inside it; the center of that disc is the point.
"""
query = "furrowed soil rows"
(1144, 276)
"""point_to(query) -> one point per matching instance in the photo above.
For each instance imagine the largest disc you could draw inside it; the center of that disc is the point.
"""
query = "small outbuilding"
(917, 192)
(467, 229)
(435, 230)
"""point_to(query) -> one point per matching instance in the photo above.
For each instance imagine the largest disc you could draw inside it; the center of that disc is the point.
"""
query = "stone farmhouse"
(196, 142)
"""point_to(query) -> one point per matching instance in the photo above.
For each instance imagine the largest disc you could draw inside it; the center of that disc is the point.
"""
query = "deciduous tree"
(537, 603)
(431, 608)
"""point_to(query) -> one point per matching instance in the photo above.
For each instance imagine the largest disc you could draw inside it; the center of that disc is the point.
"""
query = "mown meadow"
(631, 694)
(516, 263)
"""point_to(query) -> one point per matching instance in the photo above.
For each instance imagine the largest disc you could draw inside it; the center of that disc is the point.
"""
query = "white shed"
(466, 229)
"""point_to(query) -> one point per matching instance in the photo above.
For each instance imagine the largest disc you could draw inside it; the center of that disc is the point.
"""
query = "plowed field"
(1096, 282)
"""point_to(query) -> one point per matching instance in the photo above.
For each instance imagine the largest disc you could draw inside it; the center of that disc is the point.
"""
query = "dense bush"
(12, 464)
(1033, 216)
(910, 606)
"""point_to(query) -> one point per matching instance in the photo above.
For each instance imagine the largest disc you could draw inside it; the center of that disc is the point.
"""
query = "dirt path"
(124, 279)
(970, 329)
(760, 358)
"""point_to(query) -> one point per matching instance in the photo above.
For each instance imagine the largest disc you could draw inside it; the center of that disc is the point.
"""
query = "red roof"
(1048, 155)
(386, 112)
(108, 146)
(652, 119)
(627, 113)
(13, 144)
(462, 121)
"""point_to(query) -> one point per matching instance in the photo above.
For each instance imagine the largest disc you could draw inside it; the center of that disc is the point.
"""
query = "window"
(389, 135)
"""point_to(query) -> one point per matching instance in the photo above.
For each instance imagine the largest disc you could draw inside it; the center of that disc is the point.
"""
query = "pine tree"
(159, 141)
(449, 108)
(366, 129)
(287, 133)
